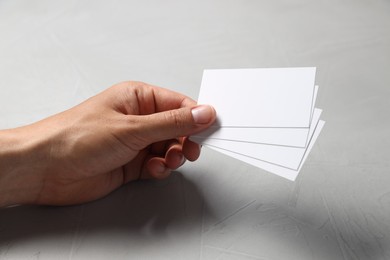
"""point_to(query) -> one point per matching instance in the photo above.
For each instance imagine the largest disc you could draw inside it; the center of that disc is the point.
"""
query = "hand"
(130, 131)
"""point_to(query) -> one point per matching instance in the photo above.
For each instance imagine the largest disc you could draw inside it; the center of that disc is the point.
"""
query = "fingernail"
(202, 114)
(178, 157)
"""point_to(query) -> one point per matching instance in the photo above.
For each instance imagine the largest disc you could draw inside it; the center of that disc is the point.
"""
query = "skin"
(128, 132)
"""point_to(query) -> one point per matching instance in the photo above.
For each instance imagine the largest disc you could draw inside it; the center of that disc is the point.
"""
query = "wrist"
(20, 176)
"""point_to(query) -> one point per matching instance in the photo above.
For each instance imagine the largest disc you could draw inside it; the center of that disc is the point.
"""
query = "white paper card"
(296, 137)
(278, 170)
(286, 156)
(270, 97)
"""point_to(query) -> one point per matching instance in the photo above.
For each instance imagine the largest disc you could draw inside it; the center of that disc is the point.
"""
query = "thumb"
(176, 123)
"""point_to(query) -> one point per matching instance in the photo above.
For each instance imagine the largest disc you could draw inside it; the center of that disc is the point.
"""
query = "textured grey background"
(54, 54)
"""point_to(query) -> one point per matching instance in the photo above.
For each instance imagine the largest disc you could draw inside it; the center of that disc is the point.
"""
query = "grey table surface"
(54, 54)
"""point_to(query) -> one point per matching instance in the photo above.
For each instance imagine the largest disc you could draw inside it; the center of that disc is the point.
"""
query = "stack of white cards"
(265, 117)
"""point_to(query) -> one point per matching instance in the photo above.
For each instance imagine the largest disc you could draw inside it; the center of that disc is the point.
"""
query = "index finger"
(153, 99)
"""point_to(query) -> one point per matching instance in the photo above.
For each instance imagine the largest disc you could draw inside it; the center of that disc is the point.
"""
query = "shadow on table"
(149, 209)
(143, 213)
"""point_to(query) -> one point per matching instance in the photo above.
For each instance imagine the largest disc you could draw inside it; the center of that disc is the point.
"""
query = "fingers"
(174, 157)
(161, 167)
(162, 99)
(173, 123)
(159, 164)
(144, 99)
(191, 150)
(155, 114)
(156, 168)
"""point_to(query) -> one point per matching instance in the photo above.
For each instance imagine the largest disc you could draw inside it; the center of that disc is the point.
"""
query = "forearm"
(19, 173)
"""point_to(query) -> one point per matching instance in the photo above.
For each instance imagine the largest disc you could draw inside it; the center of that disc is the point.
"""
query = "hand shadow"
(140, 210)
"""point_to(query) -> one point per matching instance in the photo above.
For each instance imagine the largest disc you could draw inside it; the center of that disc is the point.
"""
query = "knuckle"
(177, 119)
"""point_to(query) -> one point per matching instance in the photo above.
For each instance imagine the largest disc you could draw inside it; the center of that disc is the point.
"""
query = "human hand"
(130, 131)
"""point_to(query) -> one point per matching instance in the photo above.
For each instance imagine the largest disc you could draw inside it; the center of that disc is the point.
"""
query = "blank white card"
(265, 117)
(269, 97)
(296, 137)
